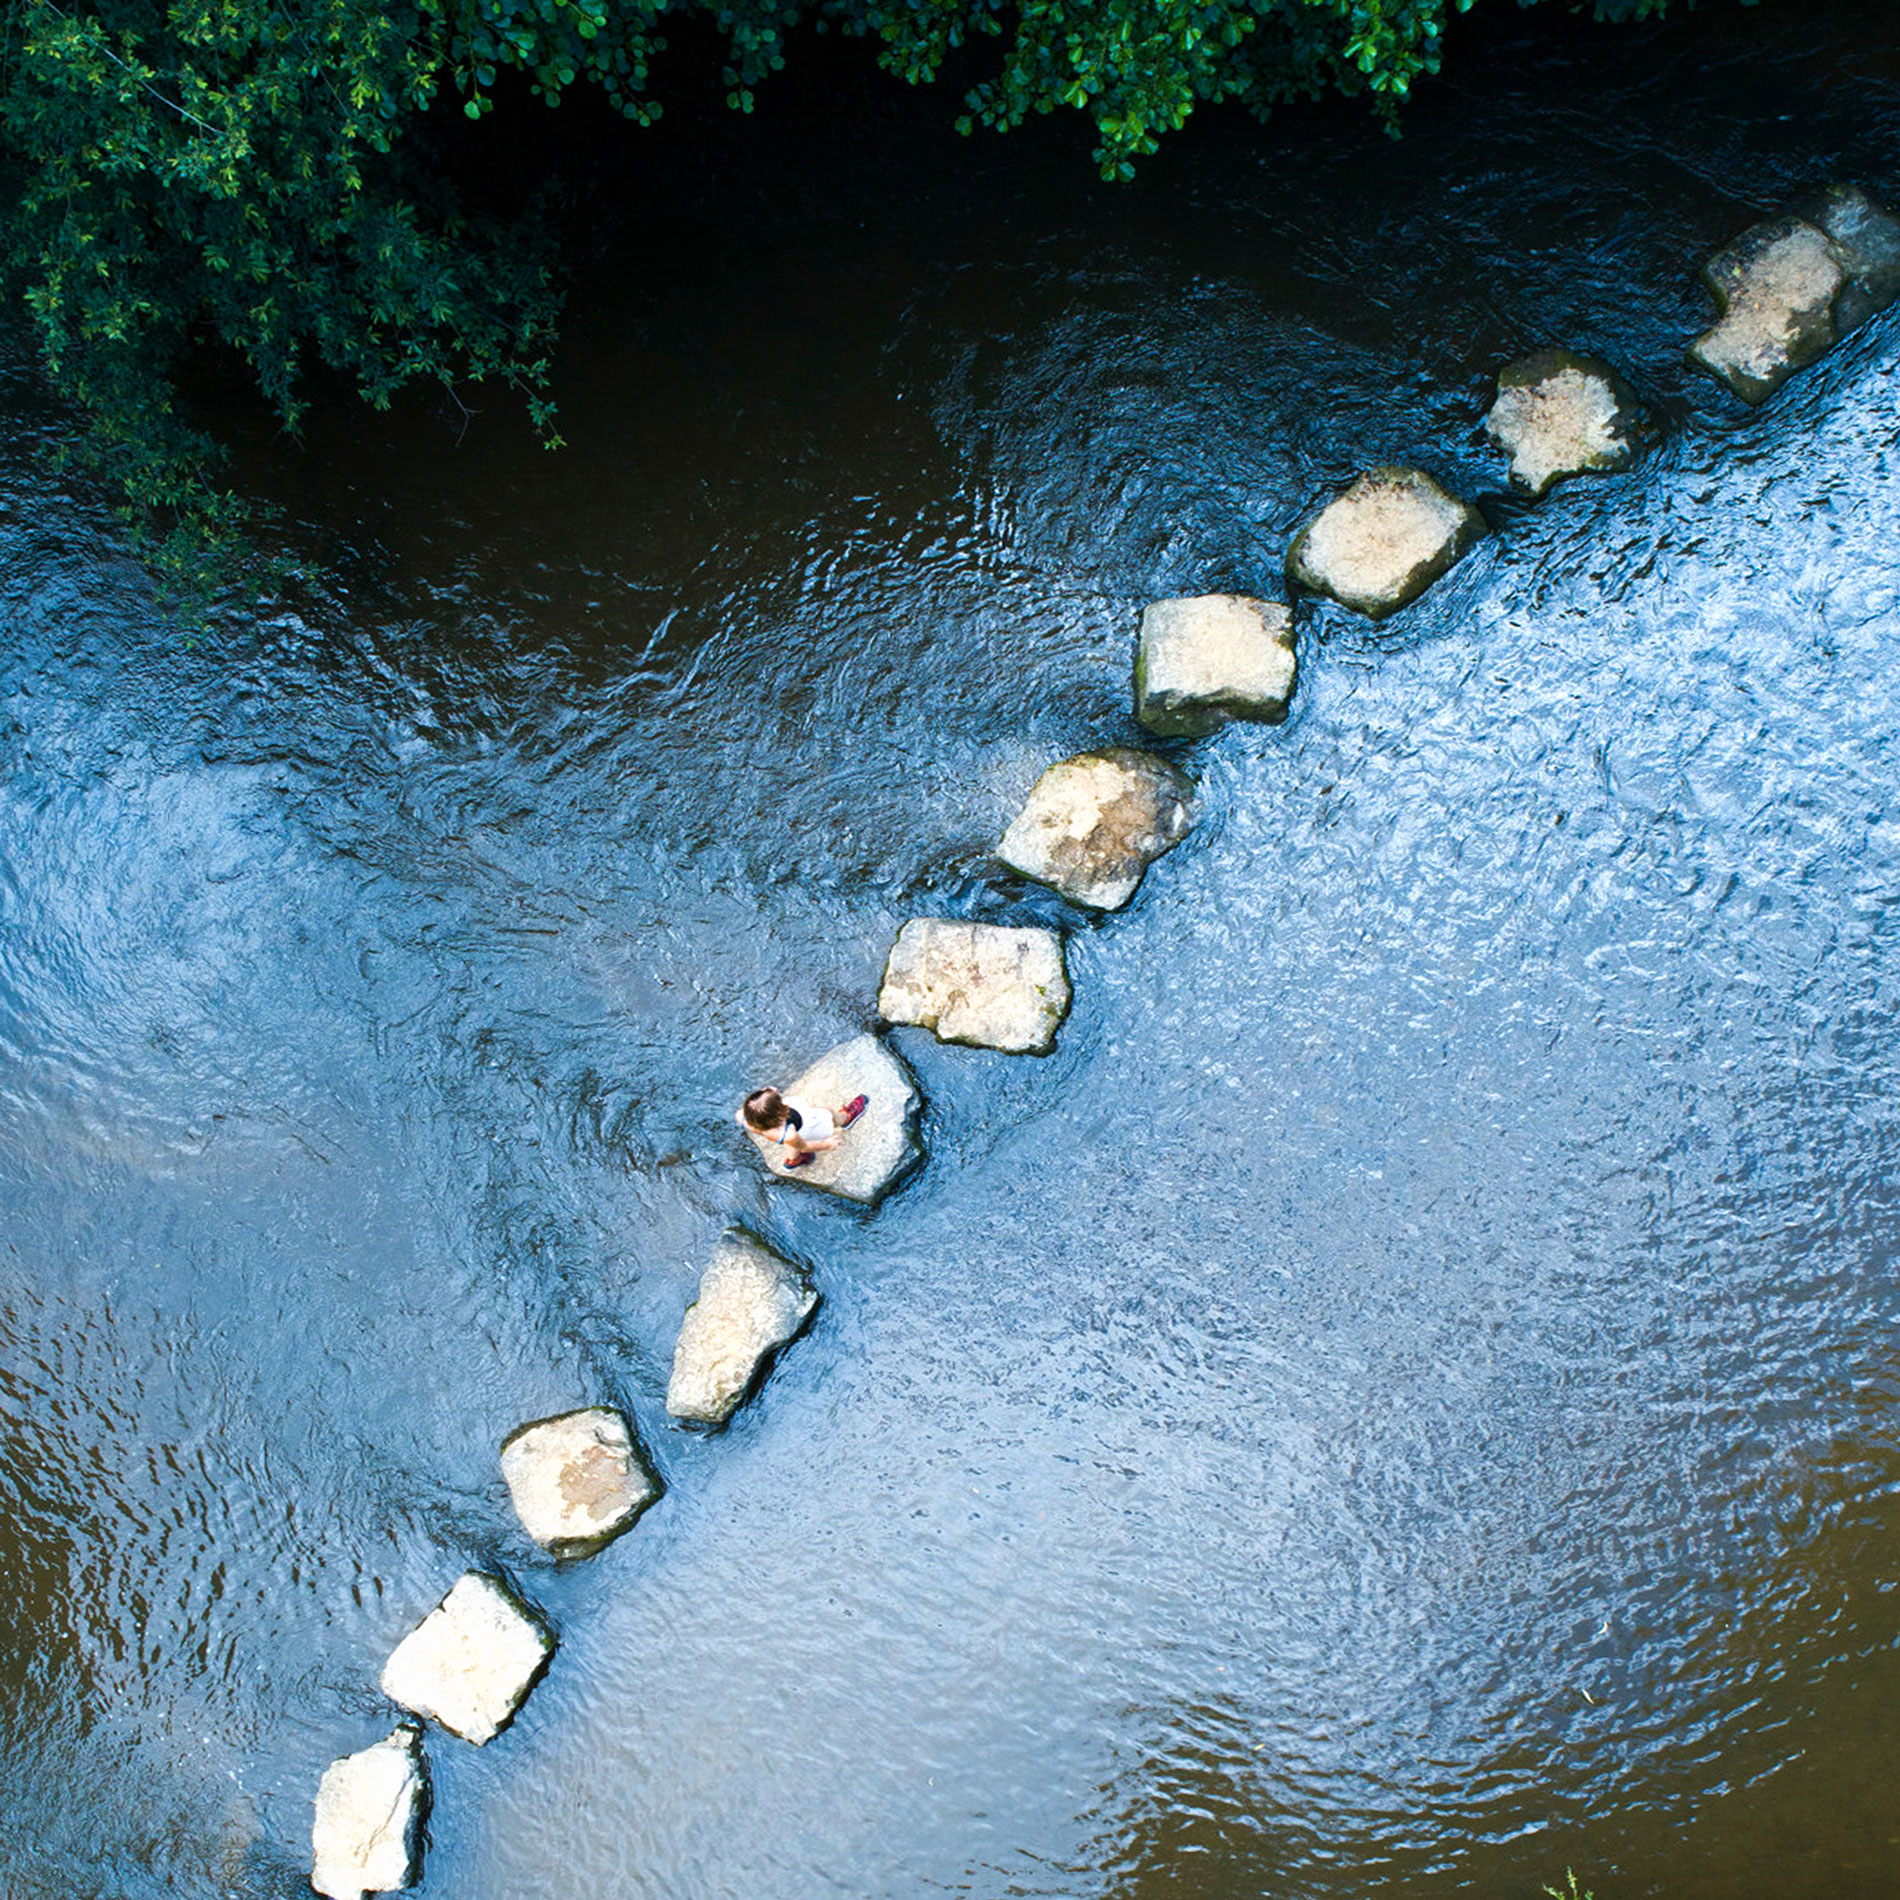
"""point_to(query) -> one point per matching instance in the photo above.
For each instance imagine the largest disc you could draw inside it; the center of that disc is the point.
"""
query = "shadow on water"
(1400, 1402)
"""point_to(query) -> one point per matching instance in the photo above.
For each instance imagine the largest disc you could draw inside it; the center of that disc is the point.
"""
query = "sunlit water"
(1402, 1401)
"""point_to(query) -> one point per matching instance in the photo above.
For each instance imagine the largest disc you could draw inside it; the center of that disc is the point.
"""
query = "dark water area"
(1403, 1401)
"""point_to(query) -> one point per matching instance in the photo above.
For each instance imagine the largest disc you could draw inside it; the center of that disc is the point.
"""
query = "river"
(1402, 1402)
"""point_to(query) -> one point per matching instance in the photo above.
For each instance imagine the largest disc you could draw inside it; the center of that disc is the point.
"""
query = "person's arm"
(796, 1145)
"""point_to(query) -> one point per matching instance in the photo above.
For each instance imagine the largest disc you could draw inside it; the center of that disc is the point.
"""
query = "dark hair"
(766, 1108)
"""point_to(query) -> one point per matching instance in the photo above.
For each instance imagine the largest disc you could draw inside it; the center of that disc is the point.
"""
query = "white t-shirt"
(814, 1124)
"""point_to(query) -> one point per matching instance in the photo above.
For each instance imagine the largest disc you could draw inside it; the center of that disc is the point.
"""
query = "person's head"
(764, 1110)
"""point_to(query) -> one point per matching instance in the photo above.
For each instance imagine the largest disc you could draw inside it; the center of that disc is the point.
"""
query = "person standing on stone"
(804, 1129)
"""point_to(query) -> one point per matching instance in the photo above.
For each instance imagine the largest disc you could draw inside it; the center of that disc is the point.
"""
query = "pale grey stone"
(577, 1480)
(1775, 286)
(1383, 541)
(1560, 414)
(1094, 823)
(751, 1302)
(470, 1663)
(367, 1835)
(982, 984)
(1791, 288)
(1210, 658)
(1866, 240)
(880, 1147)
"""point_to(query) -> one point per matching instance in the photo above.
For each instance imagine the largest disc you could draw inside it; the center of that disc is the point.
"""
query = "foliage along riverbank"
(277, 179)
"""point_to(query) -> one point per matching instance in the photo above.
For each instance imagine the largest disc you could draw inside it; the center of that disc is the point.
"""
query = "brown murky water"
(1402, 1401)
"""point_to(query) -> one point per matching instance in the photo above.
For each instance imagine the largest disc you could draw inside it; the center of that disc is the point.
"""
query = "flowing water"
(1403, 1401)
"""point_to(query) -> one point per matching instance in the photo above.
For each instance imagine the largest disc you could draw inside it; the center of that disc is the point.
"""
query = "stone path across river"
(1788, 290)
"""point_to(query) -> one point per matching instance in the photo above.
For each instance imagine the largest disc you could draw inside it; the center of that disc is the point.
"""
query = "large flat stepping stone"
(577, 1480)
(880, 1147)
(1094, 824)
(1560, 414)
(1776, 286)
(981, 984)
(470, 1663)
(1211, 658)
(1791, 288)
(751, 1303)
(367, 1836)
(1379, 545)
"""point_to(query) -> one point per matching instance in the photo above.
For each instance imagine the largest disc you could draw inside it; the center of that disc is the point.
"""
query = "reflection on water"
(1400, 1402)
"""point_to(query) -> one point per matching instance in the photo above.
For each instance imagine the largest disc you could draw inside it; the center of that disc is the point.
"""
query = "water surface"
(1402, 1401)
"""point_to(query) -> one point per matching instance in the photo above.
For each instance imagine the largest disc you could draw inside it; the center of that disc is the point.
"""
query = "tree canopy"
(264, 175)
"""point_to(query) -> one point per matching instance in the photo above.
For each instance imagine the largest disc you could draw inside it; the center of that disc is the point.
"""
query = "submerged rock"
(367, 1835)
(1094, 823)
(1561, 414)
(470, 1663)
(751, 1302)
(577, 1480)
(1791, 288)
(1383, 541)
(881, 1146)
(981, 984)
(1211, 658)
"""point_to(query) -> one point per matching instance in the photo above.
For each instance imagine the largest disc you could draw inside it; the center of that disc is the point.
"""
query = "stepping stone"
(1382, 542)
(881, 1146)
(1866, 238)
(751, 1302)
(1791, 288)
(1560, 414)
(1212, 658)
(578, 1480)
(470, 1663)
(1776, 286)
(980, 984)
(367, 1836)
(1094, 823)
